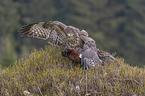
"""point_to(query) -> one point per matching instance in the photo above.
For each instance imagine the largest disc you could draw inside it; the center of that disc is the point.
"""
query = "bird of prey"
(77, 45)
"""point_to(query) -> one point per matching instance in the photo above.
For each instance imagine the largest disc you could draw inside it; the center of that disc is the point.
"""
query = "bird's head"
(72, 34)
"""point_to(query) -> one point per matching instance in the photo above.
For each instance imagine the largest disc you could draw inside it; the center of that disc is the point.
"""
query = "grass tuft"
(46, 73)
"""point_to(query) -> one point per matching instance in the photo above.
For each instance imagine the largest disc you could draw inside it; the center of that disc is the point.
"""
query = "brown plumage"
(72, 54)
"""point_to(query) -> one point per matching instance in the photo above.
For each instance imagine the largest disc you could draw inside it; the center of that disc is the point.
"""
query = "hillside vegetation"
(47, 73)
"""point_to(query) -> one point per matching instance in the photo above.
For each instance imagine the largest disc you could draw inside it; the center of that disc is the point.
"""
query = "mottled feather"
(44, 30)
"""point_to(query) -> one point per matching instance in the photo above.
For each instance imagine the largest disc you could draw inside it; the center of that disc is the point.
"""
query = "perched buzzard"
(76, 44)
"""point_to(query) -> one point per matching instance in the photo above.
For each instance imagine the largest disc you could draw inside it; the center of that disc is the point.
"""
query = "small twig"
(40, 91)
(137, 82)
(128, 80)
(86, 80)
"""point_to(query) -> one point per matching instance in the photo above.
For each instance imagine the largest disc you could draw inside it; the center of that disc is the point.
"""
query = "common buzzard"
(77, 45)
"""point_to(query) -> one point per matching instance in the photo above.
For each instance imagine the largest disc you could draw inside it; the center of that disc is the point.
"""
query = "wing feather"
(90, 57)
(51, 30)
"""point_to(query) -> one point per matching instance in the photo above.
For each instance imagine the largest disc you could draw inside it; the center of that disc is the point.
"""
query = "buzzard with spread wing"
(76, 44)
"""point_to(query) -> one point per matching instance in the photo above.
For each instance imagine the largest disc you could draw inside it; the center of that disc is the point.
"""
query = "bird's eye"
(69, 35)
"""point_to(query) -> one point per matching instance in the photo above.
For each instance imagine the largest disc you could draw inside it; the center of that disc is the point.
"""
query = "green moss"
(46, 72)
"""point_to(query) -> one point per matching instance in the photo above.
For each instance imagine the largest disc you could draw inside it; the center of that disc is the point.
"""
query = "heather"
(45, 73)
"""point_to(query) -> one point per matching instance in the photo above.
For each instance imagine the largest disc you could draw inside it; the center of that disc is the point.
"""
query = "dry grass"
(47, 73)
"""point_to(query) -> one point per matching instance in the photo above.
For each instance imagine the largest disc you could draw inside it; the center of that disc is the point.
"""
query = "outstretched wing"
(53, 31)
